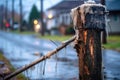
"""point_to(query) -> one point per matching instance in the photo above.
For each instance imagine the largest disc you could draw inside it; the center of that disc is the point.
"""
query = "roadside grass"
(48, 37)
(113, 42)
(12, 69)
(56, 38)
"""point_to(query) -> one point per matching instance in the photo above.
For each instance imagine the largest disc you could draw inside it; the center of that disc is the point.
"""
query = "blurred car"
(16, 26)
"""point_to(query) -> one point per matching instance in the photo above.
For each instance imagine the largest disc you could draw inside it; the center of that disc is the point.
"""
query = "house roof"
(113, 5)
(68, 4)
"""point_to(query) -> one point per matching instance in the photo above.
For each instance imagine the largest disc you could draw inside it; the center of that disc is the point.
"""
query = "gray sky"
(27, 5)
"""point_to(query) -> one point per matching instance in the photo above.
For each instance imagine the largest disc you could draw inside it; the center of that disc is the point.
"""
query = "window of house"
(63, 19)
(115, 18)
(56, 21)
(66, 19)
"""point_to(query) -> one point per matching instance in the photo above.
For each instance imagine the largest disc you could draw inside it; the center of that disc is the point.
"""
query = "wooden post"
(89, 21)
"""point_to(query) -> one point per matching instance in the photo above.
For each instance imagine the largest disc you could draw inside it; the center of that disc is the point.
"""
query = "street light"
(50, 16)
(37, 26)
(35, 22)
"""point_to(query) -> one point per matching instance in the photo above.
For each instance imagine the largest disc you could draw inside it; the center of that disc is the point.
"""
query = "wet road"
(23, 49)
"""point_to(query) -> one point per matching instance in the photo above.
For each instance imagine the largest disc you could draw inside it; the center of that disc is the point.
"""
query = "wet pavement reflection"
(23, 49)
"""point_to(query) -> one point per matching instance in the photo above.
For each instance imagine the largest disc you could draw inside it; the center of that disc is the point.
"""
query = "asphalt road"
(23, 49)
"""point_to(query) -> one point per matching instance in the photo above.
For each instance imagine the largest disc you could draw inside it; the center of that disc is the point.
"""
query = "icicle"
(38, 70)
(41, 67)
(30, 72)
(56, 57)
(32, 68)
(26, 73)
(54, 43)
(65, 51)
(44, 67)
(56, 63)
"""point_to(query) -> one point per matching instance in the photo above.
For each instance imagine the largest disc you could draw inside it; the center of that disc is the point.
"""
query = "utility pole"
(21, 16)
(12, 13)
(104, 33)
(6, 14)
(1, 15)
(6, 11)
(42, 23)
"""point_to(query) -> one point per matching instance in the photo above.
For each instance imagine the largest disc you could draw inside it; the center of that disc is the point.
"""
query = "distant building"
(60, 14)
(113, 6)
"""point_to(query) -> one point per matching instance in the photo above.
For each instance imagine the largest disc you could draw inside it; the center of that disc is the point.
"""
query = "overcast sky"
(27, 5)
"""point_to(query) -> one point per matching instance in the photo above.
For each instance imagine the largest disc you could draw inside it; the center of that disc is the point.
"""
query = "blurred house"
(60, 14)
(113, 26)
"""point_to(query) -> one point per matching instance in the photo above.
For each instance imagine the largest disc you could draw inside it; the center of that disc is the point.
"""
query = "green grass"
(20, 76)
(56, 38)
(49, 37)
(113, 42)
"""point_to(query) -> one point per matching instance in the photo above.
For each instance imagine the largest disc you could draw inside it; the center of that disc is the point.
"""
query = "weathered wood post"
(89, 21)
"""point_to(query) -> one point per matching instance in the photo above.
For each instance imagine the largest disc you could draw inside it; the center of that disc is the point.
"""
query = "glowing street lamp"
(50, 16)
(35, 22)
(37, 25)
(37, 28)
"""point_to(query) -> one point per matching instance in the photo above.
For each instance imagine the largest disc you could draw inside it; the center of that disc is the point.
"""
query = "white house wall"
(50, 22)
(64, 19)
(59, 19)
(114, 23)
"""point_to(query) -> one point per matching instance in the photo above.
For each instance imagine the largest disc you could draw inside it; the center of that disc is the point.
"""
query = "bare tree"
(12, 13)
(6, 10)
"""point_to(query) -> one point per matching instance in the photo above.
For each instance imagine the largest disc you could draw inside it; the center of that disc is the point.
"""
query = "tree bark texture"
(88, 47)
(89, 21)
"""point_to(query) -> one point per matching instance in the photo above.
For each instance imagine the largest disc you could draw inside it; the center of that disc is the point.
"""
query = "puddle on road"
(20, 55)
